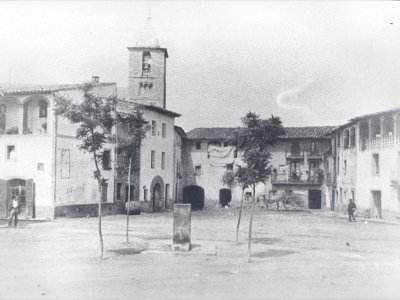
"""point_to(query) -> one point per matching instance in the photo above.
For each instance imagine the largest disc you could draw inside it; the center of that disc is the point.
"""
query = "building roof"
(375, 114)
(180, 131)
(366, 116)
(49, 88)
(228, 133)
(125, 105)
(307, 132)
(160, 110)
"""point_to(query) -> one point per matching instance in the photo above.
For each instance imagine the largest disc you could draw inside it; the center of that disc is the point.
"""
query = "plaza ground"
(296, 255)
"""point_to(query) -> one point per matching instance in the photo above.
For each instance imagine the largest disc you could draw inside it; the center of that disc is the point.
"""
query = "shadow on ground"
(126, 251)
(272, 253)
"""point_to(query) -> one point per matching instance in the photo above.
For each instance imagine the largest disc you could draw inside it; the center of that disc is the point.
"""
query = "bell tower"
(147, 69)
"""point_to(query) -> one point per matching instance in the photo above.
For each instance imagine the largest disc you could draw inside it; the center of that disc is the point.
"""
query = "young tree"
(129, 142)
(253, 142)
(229, 179)
(242, 178)
(95, 117)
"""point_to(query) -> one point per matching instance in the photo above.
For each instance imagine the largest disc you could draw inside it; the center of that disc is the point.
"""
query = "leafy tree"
(95, 117)
(129, 143)
(229, 179)
(253, 142)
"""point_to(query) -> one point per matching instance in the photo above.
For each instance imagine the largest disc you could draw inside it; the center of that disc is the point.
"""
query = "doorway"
(377, 204)
(333, 200)
(156, 197)
(314, 199)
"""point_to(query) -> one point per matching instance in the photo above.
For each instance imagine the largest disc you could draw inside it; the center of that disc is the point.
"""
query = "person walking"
(351, 207)
(14, 212)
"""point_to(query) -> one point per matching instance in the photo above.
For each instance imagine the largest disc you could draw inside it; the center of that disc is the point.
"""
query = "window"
(40, 166)
(146, 63)
(344, 167)
(42, 109)
(153, 127)
(235, 153)
(11, 153)
(198, 145)
(106, 160)
(346, 140)
(153, 158)
(164, 130)
(65, 163)
(375, 164)
(162, 160)
(338, 140)
(145, 194)
(197, 170)
(119, 189)
(229, 167)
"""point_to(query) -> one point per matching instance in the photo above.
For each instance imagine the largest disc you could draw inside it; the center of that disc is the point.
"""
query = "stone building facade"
(297, 161)
(39, 157)
(366, 165)
(155, 178)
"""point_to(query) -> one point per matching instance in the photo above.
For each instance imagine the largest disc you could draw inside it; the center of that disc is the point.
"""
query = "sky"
(310, 63)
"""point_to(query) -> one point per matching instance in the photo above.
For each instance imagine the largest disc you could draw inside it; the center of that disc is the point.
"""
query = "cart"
(289, 202)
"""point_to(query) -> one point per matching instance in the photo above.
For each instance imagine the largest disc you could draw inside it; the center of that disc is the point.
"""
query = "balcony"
(297, 179)
(305, 153)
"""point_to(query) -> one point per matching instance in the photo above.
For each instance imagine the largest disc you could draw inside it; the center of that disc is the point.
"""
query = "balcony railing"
(305, 153)
(295, 179)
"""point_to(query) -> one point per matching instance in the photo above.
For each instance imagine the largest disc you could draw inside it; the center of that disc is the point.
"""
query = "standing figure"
(14, 212)
(351, 207)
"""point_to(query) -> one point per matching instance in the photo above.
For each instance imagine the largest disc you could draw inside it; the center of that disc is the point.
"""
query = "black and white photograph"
(199, 150)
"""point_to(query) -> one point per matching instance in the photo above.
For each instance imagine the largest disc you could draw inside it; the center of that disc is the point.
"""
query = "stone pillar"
(182, 227)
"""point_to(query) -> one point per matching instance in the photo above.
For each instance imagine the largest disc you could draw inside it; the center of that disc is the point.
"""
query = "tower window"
(146, 63)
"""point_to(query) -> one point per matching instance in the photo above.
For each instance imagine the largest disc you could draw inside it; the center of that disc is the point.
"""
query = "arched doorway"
(157, 192)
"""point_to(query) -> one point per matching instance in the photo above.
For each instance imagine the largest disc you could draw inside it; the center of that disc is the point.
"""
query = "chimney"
(95, 79)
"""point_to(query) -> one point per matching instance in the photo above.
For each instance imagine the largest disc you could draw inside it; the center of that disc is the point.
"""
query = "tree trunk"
(240, 215)
(99, 225)
(100, 182)
(129, 199)
(251, 222)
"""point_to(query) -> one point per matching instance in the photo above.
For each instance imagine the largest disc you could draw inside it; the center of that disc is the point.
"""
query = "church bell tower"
(147, 69)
